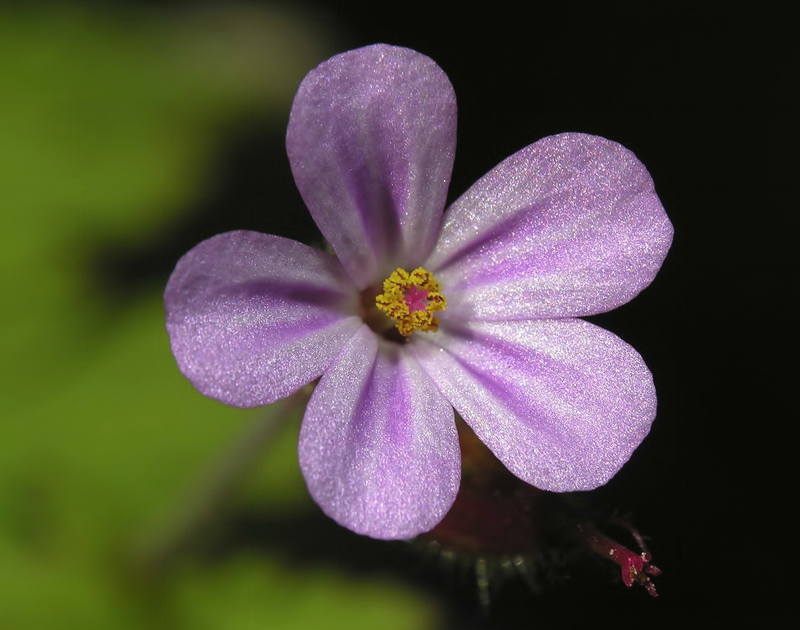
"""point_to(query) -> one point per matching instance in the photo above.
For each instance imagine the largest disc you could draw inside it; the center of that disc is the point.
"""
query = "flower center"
(411, 299)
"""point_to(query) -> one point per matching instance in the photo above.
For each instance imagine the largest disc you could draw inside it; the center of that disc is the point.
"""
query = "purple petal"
(253, 317)
(568, 226)
(562, 403)
(371, 142)
(378, 445)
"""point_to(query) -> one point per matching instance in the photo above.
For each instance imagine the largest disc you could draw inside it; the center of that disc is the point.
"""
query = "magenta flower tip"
(422, 312)
(416, 299)
(636, 567)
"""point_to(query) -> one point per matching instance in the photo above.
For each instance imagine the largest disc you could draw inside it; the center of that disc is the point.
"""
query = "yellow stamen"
(411, 299)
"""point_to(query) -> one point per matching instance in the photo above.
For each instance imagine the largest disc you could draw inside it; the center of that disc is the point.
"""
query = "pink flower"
(422, 311)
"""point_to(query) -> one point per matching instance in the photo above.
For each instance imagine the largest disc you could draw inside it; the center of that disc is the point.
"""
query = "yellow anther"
(411, 299)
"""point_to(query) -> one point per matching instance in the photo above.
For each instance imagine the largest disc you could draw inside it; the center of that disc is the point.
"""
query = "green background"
(109, 122)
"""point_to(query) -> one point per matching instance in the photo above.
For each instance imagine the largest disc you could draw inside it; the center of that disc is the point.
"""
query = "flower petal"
(562, 403)
(254, 317)
(371, 142)
(378, 445)
(569, 226)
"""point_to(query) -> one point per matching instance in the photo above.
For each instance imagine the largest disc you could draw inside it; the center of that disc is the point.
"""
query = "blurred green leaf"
(252, 595)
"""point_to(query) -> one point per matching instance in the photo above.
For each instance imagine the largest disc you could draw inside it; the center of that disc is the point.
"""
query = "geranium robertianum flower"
(422, 311)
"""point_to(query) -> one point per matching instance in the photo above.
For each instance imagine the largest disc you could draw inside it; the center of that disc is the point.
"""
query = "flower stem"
(215, 487)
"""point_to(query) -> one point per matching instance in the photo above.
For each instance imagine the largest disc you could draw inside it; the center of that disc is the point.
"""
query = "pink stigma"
(416, 298)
